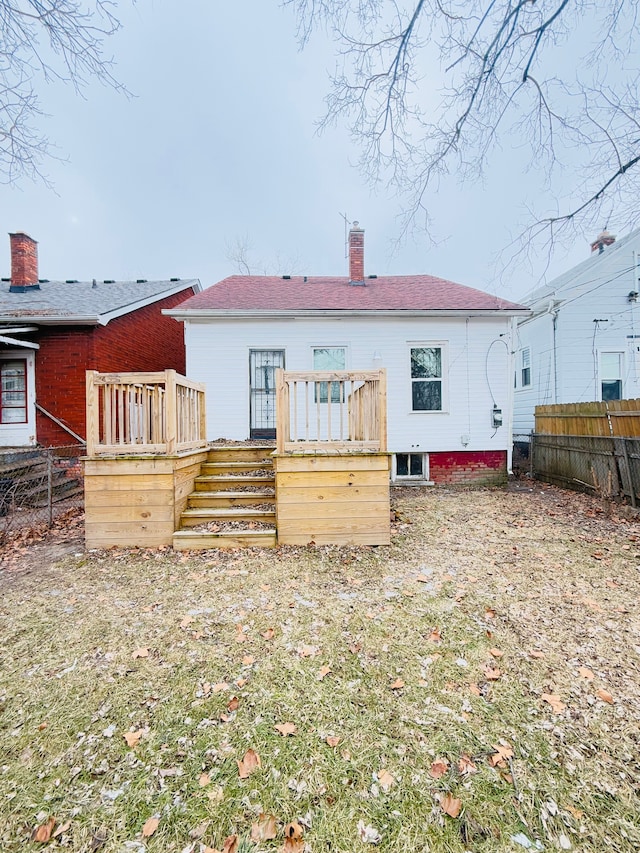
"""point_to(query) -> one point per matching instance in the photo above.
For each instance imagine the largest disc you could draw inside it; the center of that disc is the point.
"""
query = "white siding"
(537, 335)
(478, 362)
(597, 290)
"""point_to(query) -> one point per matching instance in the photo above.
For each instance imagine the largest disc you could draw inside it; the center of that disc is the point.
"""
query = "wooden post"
(93, 413)
(171, 437)
(282, 409)
(382, 409)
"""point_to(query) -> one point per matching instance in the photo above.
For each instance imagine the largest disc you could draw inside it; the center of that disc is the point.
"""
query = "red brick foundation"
(476, 467)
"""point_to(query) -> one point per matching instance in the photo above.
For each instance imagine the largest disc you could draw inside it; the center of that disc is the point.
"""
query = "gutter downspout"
(554, 320)
(511, 362)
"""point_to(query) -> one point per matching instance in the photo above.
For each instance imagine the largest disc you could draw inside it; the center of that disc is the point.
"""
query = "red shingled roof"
(395, 292)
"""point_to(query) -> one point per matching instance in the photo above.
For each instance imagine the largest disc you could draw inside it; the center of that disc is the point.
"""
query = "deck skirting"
(137, 500)
(332, 499)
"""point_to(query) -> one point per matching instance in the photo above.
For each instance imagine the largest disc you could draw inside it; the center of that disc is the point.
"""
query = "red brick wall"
(141, 340)
(478, 467)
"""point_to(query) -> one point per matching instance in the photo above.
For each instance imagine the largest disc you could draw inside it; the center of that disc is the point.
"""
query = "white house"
(447, 350)
(582, 341)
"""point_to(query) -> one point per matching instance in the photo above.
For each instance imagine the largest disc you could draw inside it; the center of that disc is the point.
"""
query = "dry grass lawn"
(473, 687)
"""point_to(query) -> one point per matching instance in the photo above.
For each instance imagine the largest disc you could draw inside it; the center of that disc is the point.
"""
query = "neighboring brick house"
(447, 350)
(52, 332)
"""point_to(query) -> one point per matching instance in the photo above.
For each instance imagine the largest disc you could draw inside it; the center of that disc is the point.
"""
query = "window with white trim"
(427, 382)
(329, 358)
(611, 375)
(525, 367)
(411, 466)
(13, 399)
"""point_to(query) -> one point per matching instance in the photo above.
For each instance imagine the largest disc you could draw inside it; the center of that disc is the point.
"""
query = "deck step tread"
(256, 497)
(202, 540)
(229, 514)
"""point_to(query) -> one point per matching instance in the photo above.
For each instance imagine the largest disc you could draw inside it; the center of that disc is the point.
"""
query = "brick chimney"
(356, 254)
(24, 263)
(603, 239)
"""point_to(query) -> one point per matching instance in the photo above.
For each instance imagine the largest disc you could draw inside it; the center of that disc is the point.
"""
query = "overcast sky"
(218, 145)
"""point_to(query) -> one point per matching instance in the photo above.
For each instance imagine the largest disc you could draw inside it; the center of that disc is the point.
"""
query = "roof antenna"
(95, 283)
(346, 234)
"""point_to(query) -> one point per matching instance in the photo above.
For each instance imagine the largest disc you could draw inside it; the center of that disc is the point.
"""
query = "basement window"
(13, 402)
(411, 466)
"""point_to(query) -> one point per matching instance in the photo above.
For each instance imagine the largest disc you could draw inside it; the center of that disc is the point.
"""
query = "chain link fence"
(37, 486)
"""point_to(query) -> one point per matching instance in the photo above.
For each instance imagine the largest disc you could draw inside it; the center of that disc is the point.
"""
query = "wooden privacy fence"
(159, 413)
(325, 410)
(613, 417)
(608, 466)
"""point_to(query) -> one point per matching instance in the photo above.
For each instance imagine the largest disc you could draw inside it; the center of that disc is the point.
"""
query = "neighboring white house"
(582, 341)
(447, 350)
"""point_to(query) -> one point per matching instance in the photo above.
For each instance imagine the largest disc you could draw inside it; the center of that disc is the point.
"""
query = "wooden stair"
(233, 504)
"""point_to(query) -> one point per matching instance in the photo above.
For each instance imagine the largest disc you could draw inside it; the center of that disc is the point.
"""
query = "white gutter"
(295, 314)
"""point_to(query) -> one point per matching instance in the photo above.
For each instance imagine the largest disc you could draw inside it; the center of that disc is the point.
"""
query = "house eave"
(196, 314)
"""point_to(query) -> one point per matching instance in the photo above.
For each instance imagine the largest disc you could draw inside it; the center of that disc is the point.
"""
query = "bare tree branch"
(45, 40)
(432, 87)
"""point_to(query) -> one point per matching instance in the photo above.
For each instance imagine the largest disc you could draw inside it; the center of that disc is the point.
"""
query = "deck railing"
(160, 413)
(331, 410)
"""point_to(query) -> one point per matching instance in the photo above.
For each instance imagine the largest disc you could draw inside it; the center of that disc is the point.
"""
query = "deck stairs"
(233, 504)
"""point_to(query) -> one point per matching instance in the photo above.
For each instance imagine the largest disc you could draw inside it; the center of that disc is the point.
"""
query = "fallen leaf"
(204, 780)
(43, 833)
(496, 653)
(150, 827)
(323, 672)
(368, 834)
(286, 729)
(503, 753)
(232, 704)
(42, 727)
(492, 673)
(605, 696)
(240, 637)
(61, 829)
(186, 621)
(308, 651)
(465, 765)
(293, 841)
(450, 805)
(140, 653)
(438, 768)
(586, 673)
(472, 579)
(578, 814)
(133, 738)
(489, 613)
(473, 688)
(423, 578)
(398, 684)
(536, 654)
(557, 705)
(249, 764)
(435, 636)
(199, 830)
(332, 740)
(355, 648)
(240, 682)
(269, 634)
(230, 844)
(385, 779)
(264, 829)
(218, 688)
(248, 660)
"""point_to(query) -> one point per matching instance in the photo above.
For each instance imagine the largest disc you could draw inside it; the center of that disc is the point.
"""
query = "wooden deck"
(151, 480)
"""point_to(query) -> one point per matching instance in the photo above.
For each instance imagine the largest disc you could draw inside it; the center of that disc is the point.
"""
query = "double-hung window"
(13, 400)
(611, 375)
(427, 378)
(329, 358)
(525, 367)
